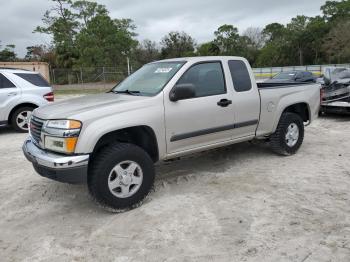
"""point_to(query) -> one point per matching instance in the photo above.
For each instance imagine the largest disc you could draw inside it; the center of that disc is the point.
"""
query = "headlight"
(63, 124)
(61, 135)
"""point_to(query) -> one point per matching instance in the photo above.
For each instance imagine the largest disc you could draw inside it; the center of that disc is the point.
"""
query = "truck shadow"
(215, 161)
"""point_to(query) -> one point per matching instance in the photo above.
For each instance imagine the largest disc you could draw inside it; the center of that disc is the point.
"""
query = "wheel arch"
(302, 109)
(142, 136)
(14, 109)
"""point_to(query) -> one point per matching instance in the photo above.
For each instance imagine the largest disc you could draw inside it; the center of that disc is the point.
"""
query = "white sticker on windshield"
(163, 70)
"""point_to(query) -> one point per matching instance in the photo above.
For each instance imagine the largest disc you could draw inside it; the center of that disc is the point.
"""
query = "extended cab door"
(246, 98)
(9, 94)
(206, 119)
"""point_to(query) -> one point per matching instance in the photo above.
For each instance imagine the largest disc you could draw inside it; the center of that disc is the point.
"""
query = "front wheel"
(120, 177)
(289, 134)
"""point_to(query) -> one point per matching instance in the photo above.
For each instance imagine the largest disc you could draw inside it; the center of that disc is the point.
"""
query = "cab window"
(207, 78)
(240, 75)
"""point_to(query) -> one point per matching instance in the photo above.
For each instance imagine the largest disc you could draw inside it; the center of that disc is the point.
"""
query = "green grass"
(79, 91)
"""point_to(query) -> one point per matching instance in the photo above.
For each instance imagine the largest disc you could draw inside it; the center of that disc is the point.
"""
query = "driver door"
(200, 121)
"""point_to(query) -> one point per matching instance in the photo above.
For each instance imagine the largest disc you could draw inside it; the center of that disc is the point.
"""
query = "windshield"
(149, 79)
(285, 75)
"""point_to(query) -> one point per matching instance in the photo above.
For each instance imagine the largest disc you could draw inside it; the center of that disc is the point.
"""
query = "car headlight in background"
(61, 135)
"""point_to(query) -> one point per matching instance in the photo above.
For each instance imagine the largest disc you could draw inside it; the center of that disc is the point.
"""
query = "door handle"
(12, 94)
(224, 102)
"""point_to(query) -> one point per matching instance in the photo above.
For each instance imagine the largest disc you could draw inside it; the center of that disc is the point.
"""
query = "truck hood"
(92, 106)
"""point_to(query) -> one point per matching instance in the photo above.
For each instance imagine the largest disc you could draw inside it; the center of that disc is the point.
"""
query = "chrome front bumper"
(70, 169)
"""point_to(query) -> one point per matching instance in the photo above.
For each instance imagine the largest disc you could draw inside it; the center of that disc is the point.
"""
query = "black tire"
(278, 139)
(14, 116)
(101, 167)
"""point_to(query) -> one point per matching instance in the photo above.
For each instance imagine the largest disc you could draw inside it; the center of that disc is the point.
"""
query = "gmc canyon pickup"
(166, 109)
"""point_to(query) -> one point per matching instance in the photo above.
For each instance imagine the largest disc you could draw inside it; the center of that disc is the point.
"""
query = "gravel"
(239, 203)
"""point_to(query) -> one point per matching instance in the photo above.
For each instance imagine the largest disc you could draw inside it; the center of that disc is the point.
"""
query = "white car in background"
(21, 92)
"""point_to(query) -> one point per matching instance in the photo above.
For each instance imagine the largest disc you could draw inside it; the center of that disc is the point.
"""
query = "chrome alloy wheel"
(22, 120)
(292, 135)
(125, 179)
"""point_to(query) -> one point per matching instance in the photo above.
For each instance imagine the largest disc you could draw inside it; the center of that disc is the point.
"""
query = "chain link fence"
(102, 78)
(86, 75)
(86, 78)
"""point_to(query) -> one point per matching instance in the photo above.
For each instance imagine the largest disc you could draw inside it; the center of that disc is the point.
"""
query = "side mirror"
(182, 91)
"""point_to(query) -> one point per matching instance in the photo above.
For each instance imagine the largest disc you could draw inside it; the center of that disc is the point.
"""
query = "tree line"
(84, 35)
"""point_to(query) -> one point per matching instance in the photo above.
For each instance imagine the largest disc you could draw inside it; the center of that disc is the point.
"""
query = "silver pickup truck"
(166, 109)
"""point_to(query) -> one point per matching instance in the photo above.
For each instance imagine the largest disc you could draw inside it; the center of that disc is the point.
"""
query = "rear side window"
(300, 75)
(240, 75)
(207, 78)
(35, 79)
(5, 83)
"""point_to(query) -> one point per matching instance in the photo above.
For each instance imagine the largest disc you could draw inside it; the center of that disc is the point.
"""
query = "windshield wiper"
(129, 92)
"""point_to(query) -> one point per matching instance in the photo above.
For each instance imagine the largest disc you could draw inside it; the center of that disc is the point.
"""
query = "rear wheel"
(20, 119)
(121, 176)
(289, 134)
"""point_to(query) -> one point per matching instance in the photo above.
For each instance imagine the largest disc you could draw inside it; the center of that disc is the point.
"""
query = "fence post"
(104, 77)
(81, 75)
(270, 72)
(53, 76)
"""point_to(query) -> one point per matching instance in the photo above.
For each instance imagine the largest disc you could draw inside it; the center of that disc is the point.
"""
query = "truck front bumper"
(67, 169)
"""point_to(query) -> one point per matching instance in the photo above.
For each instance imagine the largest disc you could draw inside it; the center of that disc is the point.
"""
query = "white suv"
(21, 92)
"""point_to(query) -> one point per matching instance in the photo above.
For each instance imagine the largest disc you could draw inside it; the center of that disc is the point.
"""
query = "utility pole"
(128, 63)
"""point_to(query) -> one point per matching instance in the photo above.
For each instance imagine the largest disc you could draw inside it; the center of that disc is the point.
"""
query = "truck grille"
(35, 128)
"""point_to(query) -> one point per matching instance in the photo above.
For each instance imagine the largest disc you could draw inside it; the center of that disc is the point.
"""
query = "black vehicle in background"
(293, 77)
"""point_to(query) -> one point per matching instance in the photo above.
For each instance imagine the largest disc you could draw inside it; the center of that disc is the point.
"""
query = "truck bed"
(276, 97)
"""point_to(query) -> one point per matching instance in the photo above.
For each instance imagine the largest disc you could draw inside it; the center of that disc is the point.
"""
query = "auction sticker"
(163, 70)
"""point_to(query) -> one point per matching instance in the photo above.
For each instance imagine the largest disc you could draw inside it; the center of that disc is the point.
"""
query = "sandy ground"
(240, 203)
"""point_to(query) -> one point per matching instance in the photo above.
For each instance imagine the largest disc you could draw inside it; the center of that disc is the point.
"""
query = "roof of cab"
(200, 58)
